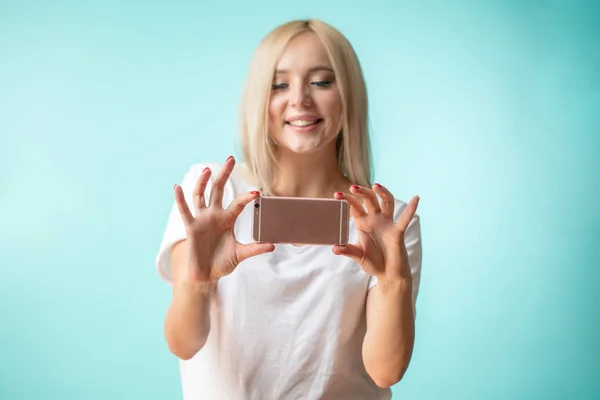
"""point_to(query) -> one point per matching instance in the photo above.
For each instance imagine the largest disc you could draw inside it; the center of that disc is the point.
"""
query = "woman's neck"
(314, 176)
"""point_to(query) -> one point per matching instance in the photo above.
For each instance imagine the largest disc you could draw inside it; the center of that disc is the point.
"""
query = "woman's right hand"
(212, 249)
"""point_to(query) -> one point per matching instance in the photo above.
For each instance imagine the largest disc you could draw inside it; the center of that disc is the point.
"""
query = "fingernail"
(205, 168)
(339, 193)
(229, 158)
(255, 192)
(355, 187)
(378, 185)
(174, 186)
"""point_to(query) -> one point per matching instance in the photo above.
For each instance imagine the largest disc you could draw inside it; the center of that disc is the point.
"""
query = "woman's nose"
(301, 97)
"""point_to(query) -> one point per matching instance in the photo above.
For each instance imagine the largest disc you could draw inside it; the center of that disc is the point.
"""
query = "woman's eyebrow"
(313, 69)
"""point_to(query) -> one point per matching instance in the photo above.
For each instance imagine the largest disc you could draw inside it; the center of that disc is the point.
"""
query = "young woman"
(290, 321)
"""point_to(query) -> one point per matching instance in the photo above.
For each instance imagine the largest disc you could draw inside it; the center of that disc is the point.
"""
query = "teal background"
(490, 111)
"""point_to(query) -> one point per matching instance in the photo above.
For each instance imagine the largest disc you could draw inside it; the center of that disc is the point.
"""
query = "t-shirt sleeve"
(412, 241)
(175, 229)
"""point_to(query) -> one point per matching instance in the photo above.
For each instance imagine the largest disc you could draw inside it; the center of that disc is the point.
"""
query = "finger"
(387, 200)
(356, 208)
(240, 202)
(184, 210)
(407, 214)
(370, 198)
(199, 190)
(216, 194)
(245, 251)
(349, 250)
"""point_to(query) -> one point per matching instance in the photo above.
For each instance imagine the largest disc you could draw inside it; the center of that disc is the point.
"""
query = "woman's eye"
(323, 84)
(320, 84)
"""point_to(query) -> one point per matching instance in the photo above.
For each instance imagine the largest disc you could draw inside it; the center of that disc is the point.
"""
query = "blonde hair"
(353, 145)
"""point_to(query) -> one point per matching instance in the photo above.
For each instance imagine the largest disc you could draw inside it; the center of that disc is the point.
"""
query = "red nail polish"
(205, 168)
(255, 192)
(229, 158)
(355, 187)
(339, 193)
(378, 185)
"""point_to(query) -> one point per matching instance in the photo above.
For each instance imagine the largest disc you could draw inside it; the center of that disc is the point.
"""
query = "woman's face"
(305, 111)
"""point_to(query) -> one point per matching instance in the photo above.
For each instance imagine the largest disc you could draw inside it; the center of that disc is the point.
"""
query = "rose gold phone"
(301, 220)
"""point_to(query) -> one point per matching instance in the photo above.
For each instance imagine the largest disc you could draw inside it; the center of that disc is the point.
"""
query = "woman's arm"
(389, 341)
(187, 323)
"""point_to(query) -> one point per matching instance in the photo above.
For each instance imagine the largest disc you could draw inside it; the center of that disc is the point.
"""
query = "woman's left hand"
(380, 249)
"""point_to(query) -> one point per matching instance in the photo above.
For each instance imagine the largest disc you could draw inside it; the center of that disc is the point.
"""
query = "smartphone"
(301, 220)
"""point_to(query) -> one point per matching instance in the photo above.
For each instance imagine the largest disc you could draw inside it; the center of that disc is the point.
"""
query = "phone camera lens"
(256, 205)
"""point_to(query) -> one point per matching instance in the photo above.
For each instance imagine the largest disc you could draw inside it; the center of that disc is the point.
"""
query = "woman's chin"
(307, 147)
(305, 143)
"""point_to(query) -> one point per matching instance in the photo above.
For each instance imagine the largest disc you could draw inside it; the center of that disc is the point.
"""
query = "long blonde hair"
(353, 145)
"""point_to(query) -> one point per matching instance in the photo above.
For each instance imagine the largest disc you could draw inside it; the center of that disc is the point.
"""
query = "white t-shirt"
(284, 325)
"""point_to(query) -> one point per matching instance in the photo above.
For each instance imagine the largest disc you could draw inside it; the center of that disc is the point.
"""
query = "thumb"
(245, 251)
(349, 250)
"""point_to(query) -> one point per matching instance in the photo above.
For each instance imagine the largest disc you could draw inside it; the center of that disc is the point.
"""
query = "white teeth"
(303, 122)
